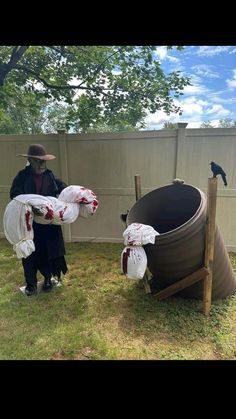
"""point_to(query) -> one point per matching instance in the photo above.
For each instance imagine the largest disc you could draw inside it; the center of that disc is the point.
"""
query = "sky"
(212, 95)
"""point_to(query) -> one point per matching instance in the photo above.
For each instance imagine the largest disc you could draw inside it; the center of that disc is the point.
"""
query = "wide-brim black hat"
(38, 151)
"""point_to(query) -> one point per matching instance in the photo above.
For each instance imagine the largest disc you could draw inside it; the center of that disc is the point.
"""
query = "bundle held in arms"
(18, 217)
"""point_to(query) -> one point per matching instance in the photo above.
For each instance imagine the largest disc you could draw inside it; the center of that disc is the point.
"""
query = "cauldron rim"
(183, 226)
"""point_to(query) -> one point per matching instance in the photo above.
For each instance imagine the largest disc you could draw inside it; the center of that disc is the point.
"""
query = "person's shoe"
(30, 290)
(47, 285)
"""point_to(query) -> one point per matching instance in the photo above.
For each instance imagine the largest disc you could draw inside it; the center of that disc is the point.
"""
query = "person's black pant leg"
(30, 270)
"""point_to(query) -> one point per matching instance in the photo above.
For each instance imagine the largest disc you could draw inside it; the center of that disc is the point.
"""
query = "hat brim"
(45, 157)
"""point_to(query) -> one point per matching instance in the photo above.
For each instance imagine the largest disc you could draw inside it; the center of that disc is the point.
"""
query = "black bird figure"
(124, 216)
(217, 170)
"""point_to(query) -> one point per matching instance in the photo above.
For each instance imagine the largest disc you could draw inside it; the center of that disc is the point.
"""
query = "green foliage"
(104, 86)
(227, 123)
(223, 123)
(21, 112)
(170, 125)
(206, 124)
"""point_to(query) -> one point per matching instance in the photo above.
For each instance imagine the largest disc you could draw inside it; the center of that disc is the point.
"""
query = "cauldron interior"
(166, 208)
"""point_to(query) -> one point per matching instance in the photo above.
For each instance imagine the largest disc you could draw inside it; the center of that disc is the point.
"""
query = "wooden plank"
(182, 283)
(137, 181)
(146, 283)
(209, 243)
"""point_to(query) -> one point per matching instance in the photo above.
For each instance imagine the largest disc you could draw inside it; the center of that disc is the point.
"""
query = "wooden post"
(66, 228)
(209, 243)
(137, 182)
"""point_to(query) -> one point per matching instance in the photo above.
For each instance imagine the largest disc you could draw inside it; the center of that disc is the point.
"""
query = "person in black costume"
(48, 257)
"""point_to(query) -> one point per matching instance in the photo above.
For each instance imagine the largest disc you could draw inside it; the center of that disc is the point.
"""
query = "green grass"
(100, 314)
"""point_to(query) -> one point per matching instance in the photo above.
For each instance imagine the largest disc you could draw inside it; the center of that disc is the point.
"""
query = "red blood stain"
(126, 255)
(27, 220)
(50, 214)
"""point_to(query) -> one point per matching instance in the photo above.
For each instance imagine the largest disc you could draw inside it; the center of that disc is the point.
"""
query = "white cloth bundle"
(18, 216)
(54, 211)
(17, 224)
(137, 234)
(81, 195)
(134, 262)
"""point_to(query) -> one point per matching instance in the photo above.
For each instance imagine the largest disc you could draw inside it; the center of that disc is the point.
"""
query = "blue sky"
(212, 96)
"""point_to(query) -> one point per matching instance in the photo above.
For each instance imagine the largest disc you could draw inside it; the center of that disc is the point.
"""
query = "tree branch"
(100, 66)
(16, 55)
(55, 86)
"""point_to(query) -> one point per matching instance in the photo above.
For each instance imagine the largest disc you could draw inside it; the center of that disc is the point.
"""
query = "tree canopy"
(107, 86)
(223, 123)
(170, 125)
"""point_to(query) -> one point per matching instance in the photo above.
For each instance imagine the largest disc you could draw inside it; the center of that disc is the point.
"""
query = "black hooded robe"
(48, 239)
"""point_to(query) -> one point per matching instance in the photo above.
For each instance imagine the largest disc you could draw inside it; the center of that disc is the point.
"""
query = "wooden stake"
(137, 182)
(209, 243)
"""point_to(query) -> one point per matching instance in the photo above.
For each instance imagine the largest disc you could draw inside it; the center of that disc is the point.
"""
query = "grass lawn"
(99, 314)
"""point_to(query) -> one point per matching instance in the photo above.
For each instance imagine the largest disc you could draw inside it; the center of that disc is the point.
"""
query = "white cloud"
(194, 112)
(173, 59)
(218, 110)
(215, 122)
(195, 89)
(161, 52)
(231, 83)
(192, 106)
(215, 98)
(194, 124)
(210, 51)
(205, 71)
(210, 96)
(158, 118)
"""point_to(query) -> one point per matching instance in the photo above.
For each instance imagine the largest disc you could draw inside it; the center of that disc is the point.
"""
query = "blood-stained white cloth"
(81, 195)
(134, 262)
(137, 234)
(53, 210)
(17, 224)
(18, 216)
